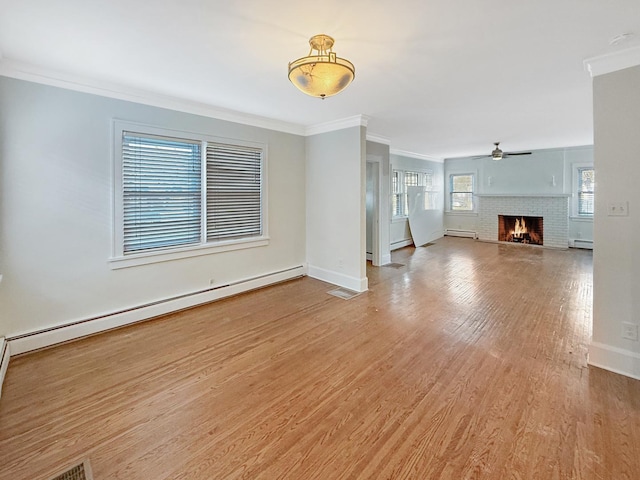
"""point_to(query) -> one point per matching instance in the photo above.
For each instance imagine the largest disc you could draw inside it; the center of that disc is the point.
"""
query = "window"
(401, 181)
(586, 186)
(177, 194)
(461, 192)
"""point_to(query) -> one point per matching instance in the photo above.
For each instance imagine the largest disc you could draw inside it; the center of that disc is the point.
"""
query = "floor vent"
(394, 265)
(79, 472)
(343, 293)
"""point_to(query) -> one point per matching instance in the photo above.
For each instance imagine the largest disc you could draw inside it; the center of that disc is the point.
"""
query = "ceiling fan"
(498, 154)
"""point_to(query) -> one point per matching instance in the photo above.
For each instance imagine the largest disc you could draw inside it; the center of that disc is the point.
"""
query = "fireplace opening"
(520, 229)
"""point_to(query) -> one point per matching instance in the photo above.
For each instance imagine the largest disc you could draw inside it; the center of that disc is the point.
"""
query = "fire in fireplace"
(520, 229)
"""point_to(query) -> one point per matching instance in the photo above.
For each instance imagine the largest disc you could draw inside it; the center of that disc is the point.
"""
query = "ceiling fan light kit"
(321, 74)
(497, 153)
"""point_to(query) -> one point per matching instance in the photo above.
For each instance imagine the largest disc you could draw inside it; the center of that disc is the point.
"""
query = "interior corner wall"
(335, 201)
(379, 152)
(616, 258)
(56, 227)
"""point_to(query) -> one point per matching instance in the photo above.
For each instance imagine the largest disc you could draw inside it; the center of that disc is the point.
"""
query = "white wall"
(400, 234)
(378, 153)
(544, 172)
(336, 213)
(56, 219)
(616, 257)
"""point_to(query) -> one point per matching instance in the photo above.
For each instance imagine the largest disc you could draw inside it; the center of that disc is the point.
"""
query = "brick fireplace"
(552, 211)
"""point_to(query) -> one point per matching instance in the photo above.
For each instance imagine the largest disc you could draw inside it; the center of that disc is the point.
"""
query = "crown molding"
(419, 156)
(372, 137)
(612, 62)
(340, 124)
(32, 73)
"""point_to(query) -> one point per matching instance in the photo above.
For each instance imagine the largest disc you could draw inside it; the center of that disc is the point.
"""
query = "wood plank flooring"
(467, 363)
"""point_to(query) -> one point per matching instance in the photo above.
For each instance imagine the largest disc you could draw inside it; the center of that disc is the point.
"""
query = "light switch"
(620, 209)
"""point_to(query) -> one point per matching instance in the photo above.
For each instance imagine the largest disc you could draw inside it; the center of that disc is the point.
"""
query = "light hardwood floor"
(468, 362)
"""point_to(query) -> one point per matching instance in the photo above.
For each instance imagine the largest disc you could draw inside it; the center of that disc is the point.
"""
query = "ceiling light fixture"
(321, 74)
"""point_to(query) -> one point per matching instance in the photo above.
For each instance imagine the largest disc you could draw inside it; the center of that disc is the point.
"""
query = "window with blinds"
(401, 181)
(161, 192)
(186, 192)
(586, 187)
(234, 192)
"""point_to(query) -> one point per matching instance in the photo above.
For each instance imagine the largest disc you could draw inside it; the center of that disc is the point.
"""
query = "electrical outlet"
(630, 331)
(619, 209)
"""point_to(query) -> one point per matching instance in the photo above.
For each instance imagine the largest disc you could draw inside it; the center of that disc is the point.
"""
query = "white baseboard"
(452, 232)
(580, 243)
(5, 353)
(617, 360)
(29, 341)
(386, 259)
(337, 278)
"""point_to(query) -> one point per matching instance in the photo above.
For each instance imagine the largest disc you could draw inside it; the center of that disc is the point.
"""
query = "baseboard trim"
(340, 279)
(614, 359)
(35, 340)
(5, 354)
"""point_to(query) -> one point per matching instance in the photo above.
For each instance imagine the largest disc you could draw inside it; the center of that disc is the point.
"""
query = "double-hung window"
(401, 181)
(180, 194)
(461, 192)
(586, 190)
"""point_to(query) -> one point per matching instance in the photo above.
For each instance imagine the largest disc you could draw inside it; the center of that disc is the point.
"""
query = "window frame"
(119, 259)
(421, 176)
(579, 170)
(575, 187)
(451, 192)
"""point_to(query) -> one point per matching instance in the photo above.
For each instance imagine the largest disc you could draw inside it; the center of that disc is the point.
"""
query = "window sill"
(399, 219)
(147, 258)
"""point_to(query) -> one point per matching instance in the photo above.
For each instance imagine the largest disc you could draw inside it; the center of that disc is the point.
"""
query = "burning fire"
(520, 228)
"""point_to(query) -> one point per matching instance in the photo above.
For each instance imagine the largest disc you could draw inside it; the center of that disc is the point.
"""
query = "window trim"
(450, 193)
(118, 259)
(422, 176)
(575, 185)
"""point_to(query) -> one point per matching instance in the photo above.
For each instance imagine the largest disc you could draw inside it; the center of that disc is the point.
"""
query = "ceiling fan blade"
(517, 153)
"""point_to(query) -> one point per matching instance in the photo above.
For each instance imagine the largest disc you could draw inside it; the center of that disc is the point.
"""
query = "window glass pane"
(586, 179)
(461, 192)
(234, 192)
(396, 182)
(161, 192)
(411, 179)
(462, 183)
(462, 201)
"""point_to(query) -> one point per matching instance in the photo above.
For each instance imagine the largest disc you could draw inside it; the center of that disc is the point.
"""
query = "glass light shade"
(322, 74)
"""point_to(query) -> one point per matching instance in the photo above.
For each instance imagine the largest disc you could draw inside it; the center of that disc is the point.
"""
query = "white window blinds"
(234, 192)
(161, 192)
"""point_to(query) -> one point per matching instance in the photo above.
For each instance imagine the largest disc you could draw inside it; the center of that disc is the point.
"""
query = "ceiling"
(435, 77)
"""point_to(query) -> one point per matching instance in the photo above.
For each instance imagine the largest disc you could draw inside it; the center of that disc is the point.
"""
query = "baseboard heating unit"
(460, 233)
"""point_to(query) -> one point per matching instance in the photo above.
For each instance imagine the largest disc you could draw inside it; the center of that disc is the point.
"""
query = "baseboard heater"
(451, 232)
(577, 243)
(47, 337)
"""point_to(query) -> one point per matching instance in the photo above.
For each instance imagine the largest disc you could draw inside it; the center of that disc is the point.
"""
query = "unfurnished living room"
(348, 240)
